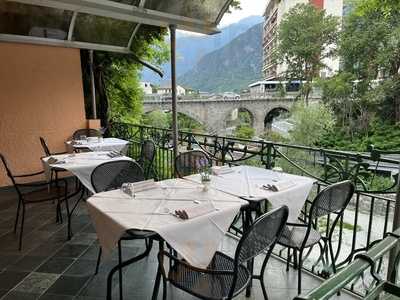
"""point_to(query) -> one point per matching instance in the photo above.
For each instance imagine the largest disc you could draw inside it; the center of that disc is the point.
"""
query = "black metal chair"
(146, 160)
(88, 132)
(110, 176)
(191, 162)
(38, 192)
(47, 152)
(299, 236)
(227, 277)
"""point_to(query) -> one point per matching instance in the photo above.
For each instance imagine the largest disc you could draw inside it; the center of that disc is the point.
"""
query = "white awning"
(106, 25)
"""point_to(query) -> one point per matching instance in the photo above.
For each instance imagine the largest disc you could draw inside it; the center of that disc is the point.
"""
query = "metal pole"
(172, 30)
(93, 87)
(396, 224)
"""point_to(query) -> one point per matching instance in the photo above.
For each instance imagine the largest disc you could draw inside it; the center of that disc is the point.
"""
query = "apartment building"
(274, 13)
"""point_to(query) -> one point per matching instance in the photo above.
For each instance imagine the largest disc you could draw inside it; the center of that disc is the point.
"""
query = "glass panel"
(31, 20)
(101, 30)
(206, 10)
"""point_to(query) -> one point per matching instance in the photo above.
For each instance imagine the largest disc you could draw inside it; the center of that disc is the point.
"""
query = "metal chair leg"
(288, 259)
(98, 261)
(22, 227)
(120, 270)
(17, 217)
(299, 266)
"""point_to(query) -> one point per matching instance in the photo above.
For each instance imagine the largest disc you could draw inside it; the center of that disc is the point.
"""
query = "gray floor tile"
(56, 265)
(36, 283)
(68, 285)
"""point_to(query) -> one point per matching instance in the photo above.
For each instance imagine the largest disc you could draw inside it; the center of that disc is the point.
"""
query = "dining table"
(153, 208)
(81, 165)
(99, 144)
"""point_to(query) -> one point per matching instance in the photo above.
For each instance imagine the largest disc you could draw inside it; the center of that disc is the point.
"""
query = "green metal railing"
(368, 217)
(361, 264)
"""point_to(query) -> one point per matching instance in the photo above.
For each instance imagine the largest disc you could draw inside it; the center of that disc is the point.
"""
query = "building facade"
(274, 13)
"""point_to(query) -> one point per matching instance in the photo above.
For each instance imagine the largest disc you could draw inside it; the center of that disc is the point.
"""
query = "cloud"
(249, 8)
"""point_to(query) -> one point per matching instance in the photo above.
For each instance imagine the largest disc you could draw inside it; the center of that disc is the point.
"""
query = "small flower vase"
(205, 178)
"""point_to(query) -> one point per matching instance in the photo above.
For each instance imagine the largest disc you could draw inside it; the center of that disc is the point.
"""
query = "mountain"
(191, 48)
(230, 68)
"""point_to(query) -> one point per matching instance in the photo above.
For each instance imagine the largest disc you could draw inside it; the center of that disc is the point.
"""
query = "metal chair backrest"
(44, 146)
(148, 151)
(9, 174)
(191, 162)
(333, 199)
(88, 132)
(262, 235)
(111, 175)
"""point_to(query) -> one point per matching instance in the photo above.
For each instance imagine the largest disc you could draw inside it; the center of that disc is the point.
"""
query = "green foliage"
(244, 132)
(311, 123)
(157, 118)
(123, 91)
(306, 36)
(274, 136)
(161, 119)
(370, 50)
(384, 136)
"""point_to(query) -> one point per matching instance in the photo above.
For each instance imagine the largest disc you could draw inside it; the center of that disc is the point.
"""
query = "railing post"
(269, 156)
(396, 225)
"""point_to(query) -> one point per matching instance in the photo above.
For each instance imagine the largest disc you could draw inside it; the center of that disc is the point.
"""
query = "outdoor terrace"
(52, 267)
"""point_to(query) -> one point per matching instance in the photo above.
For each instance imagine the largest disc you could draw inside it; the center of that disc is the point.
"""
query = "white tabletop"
(247, 181)
(81, 164)
(107, 144)
(195, 239)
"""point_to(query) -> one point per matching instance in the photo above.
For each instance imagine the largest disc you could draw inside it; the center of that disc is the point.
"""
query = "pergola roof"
(108, 25)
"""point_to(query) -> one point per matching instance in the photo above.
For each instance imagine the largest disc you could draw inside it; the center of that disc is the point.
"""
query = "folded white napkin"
(217, 170)
(198, 210)
(279, 186)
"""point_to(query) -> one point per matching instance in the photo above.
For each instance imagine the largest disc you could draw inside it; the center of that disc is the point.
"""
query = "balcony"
(50, 267)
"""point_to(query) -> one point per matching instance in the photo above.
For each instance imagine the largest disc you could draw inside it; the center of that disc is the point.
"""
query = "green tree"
(157, 118)
(244, 132)
(306, 37)
(370, 50)
(311, 123)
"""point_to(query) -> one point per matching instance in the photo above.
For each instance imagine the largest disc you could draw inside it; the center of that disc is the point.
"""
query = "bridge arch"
(234, 115)
(273, 114)
(181, 111)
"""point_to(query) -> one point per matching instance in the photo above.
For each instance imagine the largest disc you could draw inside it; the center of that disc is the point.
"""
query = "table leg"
(250, 263)
(119, 267)
(158, 276)
(69, 213)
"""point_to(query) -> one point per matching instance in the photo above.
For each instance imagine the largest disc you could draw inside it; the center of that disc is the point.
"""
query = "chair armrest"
(189, 266)
(39, 184)
(29, 175)
(296, 224)
(60, 153)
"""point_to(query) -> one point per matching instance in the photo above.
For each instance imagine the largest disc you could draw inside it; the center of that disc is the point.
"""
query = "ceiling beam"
(78, 45)
(120, 11)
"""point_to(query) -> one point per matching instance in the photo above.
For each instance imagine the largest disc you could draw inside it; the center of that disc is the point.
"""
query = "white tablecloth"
(247, 181)
(195, 239)
(108, 144)
(80, 164)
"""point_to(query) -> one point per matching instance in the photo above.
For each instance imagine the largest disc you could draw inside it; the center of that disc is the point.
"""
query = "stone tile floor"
(51, 268)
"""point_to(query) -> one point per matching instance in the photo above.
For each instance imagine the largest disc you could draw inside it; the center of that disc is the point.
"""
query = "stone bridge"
(213, 113)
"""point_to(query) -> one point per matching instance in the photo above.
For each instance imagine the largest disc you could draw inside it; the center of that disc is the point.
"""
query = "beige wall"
(40, 95)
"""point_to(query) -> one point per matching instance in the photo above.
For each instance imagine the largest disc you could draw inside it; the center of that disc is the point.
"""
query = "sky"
(249, 8)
